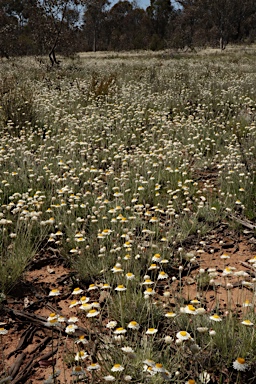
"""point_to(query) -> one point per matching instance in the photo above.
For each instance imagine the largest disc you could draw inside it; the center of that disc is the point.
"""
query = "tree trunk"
(53, 57)
(4, 53)
(94, 40)
(222, 43)
(52, 51)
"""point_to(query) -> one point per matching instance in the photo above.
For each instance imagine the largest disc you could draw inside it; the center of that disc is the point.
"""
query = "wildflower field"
(127, 218)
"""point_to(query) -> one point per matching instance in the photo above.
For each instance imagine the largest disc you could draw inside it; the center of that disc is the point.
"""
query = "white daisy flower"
(117, 368)
(240, 365)
(183, 335)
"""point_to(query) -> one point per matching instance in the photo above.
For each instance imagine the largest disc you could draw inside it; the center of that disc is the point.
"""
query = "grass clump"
(17, 105)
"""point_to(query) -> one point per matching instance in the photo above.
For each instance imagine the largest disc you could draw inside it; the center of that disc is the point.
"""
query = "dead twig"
(245, 223)
(32, 363)
(6, 379)
(25, 340)
(14, 369)
(39, 347)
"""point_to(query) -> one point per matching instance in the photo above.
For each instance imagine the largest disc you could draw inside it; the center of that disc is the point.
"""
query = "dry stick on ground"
(39, 347)
(29, 366)
(6, 380)
(252, 269)
(26, 372)
(16, 365)
(37, 321)
(40, 321)
(245, 223)
(25, 339)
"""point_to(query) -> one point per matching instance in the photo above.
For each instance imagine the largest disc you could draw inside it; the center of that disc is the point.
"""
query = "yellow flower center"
(240, 360)
(191, 307)
(183, 333)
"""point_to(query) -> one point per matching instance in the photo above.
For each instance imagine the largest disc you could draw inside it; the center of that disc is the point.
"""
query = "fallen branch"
(245, 223)
(249, 266)
(39, 347)
(40, 321)
(48, 355)
(25, 339)
(6, 379)
(26, 372)
(16, 365)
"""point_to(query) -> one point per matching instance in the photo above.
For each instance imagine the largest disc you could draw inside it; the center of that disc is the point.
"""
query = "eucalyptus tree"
(161, 13)
(94, 18)
(57, 13)
(222, 20)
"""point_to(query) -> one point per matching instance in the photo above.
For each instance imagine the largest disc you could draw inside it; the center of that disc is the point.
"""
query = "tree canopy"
(39, 27)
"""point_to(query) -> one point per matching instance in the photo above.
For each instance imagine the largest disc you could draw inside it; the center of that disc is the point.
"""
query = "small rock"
(50, 270)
